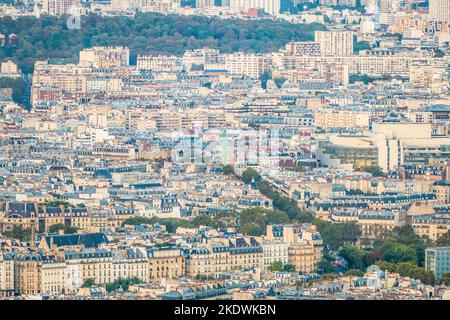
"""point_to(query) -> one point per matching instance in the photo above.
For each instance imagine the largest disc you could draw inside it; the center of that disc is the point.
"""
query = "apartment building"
(305, 244)
(248, 64)
(41, 216)
(165, 263)
(439, 10)
(336, 43)
(437, 259)
(341, 119)
(105, 57)
(159, 63)
(274, 251)
(7, 275)
(430, 225)
(269, 6)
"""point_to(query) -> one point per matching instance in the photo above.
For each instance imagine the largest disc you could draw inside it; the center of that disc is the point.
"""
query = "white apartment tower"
(335, 43)
(440, 10)
(269, 6)
(59, 7)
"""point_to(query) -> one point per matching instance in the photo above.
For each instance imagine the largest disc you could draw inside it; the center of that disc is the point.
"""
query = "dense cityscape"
(224, 150)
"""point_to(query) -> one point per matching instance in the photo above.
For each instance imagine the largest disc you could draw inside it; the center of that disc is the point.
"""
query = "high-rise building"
(440, 10)
(336, 43)
(389, 6)
(269, 6)
(59, 7)
(286, 6)
(438, 261)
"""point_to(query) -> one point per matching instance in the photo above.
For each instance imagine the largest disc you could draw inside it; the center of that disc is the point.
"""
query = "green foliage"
(136, 221)
(336, 235)
(197, 67)
(88, 283)
(444, 240)
(306, 6)
(289, 268)
(361, 78)
(298, 168)
(399, 36)
(122, 283)
(402, 235)
(359, 7)
(54, 228)
(49, 37)
(204, 277)
(18, 87)
(250, 174)
(354, 257)
(354, 273)
(19, 233)
(276, 266)
(326, 267)
(399, 253)
(264, 77)
(408, 269)
(252, 229)
(279, 81)
(57, 203)
(228, 170)
(361, 45)
(202, 220)
(374, 170)
(400, 250)
(173, 223)
(445, 279)
(282, 203)
(225, 219)
(253, 221)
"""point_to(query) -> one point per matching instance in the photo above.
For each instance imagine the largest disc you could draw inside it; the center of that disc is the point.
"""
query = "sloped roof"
(88, 240)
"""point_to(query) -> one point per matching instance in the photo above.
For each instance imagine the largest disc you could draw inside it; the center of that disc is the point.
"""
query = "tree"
(353, 256)
(70, 230)
(361, 45)
(336, 235)
(372, 257)
(18, 87)
(122, 283)
(197, 67)
(445, 279)
(326, 267)
(228, 170)
(251, 229)
(19, 233)
(145, 33)
(202, 220)
(249, 174)
(404, 235)
(374, 170)
(399, 253)
(361, 78)
(88, 283)
(276, 266)
(443, 240)
(408, 269)
(288, 268)
(254, 221)
(136, 221)
(279, 82)
(266, 76)
(276, 217)
(54, 228)
(354, 273)
(225, 219)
